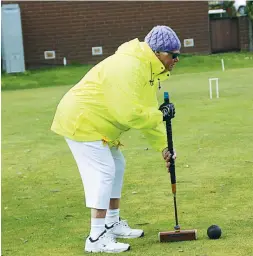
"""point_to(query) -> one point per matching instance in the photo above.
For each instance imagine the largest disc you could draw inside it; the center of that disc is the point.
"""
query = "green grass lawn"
(43, 209)
(72, 74)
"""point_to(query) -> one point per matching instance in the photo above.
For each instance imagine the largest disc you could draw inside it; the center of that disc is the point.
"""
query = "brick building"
(72, 28)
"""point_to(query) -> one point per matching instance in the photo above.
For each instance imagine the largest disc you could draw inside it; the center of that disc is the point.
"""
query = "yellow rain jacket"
(116, 95)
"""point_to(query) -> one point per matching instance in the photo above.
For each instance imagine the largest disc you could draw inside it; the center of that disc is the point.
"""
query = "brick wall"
(73, 28)
(244, 33)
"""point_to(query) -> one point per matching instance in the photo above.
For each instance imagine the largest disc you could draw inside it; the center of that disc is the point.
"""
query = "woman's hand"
(167, 156)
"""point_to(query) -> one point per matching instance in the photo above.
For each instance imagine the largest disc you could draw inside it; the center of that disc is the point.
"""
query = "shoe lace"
(109, 237)
(124, 223)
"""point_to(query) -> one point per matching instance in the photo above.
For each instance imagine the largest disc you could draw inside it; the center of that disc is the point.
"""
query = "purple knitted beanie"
(163, 39)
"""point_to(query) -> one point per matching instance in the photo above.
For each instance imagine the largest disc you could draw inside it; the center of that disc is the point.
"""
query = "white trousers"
(101, 169)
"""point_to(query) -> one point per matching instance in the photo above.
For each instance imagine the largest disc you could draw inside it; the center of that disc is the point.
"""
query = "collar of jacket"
(156, 67)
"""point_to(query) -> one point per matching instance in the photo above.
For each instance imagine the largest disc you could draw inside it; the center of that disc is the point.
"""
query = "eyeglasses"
(174, 55)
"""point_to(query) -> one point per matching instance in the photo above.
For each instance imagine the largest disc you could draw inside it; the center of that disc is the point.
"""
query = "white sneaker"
(122, 230)
(105, 243)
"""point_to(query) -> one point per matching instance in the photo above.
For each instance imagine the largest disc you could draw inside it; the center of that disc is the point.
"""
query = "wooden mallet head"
(177, 235)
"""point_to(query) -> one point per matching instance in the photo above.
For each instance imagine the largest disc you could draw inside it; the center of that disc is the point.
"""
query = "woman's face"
(169, 59)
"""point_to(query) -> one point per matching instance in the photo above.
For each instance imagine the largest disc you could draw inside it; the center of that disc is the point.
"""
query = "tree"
(249, 11)
(229, 7)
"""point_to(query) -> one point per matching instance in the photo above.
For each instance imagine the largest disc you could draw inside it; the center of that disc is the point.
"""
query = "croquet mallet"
(177, 234)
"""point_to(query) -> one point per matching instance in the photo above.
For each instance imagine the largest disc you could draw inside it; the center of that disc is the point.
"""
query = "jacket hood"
(142, 51)
(133, 48)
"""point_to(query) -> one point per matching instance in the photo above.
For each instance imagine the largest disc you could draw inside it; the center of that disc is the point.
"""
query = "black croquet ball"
(214, 232)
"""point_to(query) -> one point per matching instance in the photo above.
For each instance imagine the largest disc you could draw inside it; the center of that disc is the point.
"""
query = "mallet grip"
(172, 168)
(170, 148)
(172, 161)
